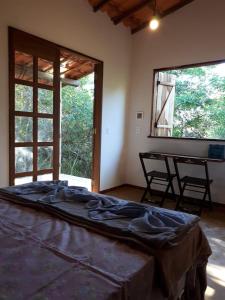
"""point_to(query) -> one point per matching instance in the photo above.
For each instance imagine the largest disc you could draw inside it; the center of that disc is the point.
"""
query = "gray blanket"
(156, 226)
(163, 233)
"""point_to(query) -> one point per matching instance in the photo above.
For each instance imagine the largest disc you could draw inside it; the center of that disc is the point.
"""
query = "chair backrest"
(153, 156)
(149, 155)
(191, 161)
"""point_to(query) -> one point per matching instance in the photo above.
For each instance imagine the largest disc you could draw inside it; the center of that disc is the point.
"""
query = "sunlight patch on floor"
(217, 242)
(76, 181)
(72, 180)
(216, 273)
(210, 292)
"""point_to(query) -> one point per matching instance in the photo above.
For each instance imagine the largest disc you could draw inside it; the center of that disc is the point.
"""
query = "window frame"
(186, 66)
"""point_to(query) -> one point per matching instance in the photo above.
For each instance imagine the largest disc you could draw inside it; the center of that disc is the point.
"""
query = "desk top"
(172, 155)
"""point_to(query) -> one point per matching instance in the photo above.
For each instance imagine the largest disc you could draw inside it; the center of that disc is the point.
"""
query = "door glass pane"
(45, 101)
(45, 177)
(45, 157)
(24, 159)
(45, 130)
(77, 128)
(45, 71)
(23, 129)
(23, 98)
(22, 180)
(23, 66)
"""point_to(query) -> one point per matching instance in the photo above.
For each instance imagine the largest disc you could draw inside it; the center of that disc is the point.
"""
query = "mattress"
(45, 254)
(43, 257)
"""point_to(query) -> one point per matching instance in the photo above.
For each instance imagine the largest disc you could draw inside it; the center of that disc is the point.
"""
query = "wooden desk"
(188, 183)
(173, 155)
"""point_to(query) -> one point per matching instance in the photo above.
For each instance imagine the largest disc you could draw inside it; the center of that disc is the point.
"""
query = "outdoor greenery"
(76, 128)
(199, 102)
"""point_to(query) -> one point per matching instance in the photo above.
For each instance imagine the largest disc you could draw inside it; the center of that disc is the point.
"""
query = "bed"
(53, 249)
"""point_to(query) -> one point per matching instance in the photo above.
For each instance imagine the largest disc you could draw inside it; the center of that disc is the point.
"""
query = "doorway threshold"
(76, 181)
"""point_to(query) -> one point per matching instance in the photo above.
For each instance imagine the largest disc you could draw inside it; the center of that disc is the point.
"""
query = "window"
(189, 102)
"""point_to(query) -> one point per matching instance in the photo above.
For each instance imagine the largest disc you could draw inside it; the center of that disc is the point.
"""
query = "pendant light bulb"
(154, 23)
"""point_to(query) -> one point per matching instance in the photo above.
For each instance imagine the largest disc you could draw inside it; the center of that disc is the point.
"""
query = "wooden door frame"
(97, 124)
(97, 118)
(37, 48)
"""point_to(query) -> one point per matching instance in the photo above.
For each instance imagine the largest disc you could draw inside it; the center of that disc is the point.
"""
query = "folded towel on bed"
(162, 225)
(39, 187)
(143, 219)
(162, 220)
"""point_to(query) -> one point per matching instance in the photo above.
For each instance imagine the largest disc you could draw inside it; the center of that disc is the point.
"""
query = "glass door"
(34, 108)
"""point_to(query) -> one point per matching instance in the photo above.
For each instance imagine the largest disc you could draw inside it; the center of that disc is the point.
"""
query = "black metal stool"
(194, 184)
(156, 177)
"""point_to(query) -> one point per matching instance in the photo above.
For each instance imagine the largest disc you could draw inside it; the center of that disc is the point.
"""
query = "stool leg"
(147, 190)
(210, 198)
(172, 188)
(149, 186)
(165, 194)
(203, 201)
(180, 197)
(143, 196)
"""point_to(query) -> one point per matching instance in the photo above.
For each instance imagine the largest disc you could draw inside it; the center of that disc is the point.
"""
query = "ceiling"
(136, 14)
(73, 66)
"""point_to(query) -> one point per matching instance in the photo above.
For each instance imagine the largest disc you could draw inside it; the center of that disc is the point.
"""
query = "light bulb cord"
(155, 9)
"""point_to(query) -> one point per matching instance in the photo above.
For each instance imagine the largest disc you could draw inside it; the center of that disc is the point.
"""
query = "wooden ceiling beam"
(100, 5)
(167, 12)
(77, 67)
(140, 27)
(175, 8)
(117, 19)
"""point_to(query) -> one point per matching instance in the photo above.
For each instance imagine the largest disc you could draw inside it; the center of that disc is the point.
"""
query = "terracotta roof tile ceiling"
(136, 14)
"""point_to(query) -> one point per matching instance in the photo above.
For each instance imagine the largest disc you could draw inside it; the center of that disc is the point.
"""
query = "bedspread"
(75, 205)
(42, 257)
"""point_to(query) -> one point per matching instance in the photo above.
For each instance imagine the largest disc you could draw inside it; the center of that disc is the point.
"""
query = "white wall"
(73, 24)
(191, 35)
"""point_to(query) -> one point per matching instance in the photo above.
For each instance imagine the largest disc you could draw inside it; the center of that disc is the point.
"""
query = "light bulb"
(154, 23)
